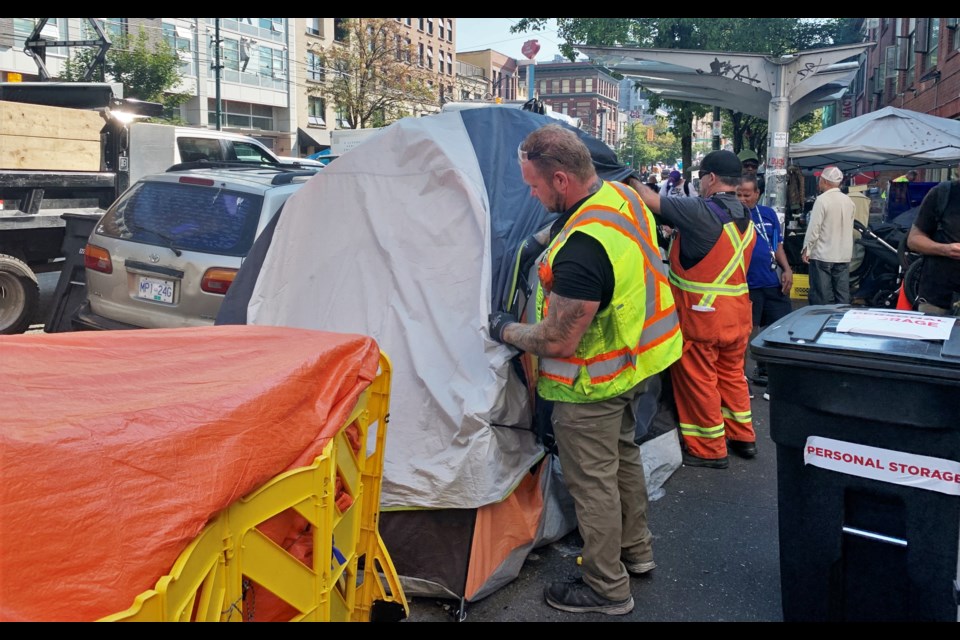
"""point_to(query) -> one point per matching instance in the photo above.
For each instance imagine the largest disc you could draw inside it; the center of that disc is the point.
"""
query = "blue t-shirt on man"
(767, 225)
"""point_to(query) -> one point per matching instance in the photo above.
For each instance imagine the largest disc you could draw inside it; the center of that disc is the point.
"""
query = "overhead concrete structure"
(780, 89)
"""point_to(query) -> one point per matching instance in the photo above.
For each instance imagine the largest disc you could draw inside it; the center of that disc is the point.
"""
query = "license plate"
(155, 289)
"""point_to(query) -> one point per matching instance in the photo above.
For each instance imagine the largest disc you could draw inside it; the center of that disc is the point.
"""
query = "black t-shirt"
(698, 225)
(940, 276)
(581, 269)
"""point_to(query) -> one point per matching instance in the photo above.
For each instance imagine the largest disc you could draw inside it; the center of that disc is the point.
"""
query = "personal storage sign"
(896, 467)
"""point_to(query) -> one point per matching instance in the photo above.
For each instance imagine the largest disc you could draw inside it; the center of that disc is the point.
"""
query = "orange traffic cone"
(902, 303)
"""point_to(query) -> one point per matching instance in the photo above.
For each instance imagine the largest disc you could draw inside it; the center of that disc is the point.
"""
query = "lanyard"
(762, 228)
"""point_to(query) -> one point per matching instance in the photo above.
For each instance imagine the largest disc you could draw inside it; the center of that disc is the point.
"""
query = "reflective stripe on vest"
(659, 324)
(719, 286)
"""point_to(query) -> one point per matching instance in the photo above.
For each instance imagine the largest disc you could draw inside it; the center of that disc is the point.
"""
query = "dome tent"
(410, 237)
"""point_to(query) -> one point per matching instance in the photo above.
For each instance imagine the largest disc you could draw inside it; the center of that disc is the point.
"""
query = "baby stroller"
(887, 264)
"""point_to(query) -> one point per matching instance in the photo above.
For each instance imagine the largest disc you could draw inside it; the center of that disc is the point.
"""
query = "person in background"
(709, 258)
(936, 235)
(751, 165)
(653, 183)
(678, 187)
(605, 323)
(769, 287)
(828, 242)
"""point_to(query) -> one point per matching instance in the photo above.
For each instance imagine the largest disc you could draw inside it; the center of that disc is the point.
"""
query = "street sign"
(530, 49)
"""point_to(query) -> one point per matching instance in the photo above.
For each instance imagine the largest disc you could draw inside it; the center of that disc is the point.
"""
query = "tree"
(147, 70)
(770, 36)
(637, 149)
(374, 78)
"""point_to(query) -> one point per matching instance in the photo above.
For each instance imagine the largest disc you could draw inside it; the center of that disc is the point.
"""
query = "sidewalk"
(715, 543)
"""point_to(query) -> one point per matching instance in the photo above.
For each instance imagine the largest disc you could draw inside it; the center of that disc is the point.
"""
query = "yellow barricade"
(351, 577)
(801, 287)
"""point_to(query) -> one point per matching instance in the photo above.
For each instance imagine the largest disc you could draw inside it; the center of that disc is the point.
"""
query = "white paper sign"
(896, 324)
(780, 138)
(886, 465)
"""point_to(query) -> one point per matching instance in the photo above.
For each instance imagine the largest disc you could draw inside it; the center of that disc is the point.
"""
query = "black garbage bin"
(71, 288)
(867, 432)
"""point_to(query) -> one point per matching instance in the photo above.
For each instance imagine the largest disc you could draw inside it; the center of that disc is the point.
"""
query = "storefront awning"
(305, 140)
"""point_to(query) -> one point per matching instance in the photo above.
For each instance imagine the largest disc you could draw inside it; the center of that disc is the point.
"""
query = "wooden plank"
(45, 154)
(56, 123)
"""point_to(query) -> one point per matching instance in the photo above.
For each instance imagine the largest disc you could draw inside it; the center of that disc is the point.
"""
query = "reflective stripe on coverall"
(713, 303)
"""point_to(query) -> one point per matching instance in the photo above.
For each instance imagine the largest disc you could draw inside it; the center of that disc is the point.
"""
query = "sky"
(494, 33)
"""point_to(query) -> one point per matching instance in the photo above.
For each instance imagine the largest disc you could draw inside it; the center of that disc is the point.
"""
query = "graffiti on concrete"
(809, 68)
(739, 72)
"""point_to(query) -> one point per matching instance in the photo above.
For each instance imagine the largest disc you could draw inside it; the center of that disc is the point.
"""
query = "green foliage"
(371, 81)
(636, 150)
(147, 70)
(770, 36)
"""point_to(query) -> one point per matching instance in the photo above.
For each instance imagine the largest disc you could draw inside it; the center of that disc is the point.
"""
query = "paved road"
(715, 544)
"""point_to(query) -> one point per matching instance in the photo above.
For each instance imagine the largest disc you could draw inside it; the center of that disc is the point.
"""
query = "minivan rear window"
(187, 217)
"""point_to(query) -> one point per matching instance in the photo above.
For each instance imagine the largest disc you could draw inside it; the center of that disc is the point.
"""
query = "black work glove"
(498, 321)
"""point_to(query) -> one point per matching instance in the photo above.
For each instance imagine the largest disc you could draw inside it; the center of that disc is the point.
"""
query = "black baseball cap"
(723, 163)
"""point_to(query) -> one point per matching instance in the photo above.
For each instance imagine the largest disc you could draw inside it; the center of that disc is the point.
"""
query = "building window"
(181, 40)
(911, 51)
(342, 122)
(271, 63)
(229, 53)
(449, 64)
(543, 87)
(313, 26)
(420, 24)
(340, 31)
(449, 30)
(430, 58)
(407, 50)
(565, 86)
(241, 115)
(315, 67)
(316, 111)
(933, 44)
(420, 54)
(429, 26)
(440, 29)
(588, 85)
(409, 21)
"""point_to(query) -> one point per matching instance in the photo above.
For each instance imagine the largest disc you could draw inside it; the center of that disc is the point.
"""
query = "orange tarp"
(117, 447)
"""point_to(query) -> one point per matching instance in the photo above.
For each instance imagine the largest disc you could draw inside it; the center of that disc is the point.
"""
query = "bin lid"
(811, 335)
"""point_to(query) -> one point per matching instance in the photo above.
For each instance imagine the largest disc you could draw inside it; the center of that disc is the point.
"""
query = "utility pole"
(716, 128)
(216, 69)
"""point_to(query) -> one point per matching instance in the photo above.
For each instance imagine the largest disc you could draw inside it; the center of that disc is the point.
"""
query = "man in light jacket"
(828, 243)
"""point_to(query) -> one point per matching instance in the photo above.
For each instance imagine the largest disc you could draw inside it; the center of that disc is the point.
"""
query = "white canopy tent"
(887, 139)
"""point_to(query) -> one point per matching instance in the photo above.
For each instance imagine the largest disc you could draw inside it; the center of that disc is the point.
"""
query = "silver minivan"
(165, 253)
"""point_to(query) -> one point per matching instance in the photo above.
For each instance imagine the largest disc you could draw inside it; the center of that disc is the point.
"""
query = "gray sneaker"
(640, 568)
(578, 597)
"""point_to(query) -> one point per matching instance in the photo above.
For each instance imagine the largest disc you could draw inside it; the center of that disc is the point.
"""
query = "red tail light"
(217, 280)
(97, 259)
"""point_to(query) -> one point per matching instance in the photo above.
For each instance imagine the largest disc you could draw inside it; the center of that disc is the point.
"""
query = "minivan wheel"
(19, 295)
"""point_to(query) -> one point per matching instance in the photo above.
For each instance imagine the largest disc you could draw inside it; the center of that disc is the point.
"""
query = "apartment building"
(500, 71)
(581, 90)
(255, 83)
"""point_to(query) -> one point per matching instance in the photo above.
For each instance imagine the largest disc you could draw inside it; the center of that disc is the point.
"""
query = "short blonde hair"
(554, 147)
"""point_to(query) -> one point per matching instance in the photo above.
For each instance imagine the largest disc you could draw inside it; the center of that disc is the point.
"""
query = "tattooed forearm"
(559, 333)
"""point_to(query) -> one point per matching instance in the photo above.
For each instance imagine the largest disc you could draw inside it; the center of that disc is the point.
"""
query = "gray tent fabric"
(886, 139)
(410, 238)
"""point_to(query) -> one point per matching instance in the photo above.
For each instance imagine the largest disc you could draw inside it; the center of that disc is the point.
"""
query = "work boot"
(742, 448)
(578, 597)
(690, 460)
